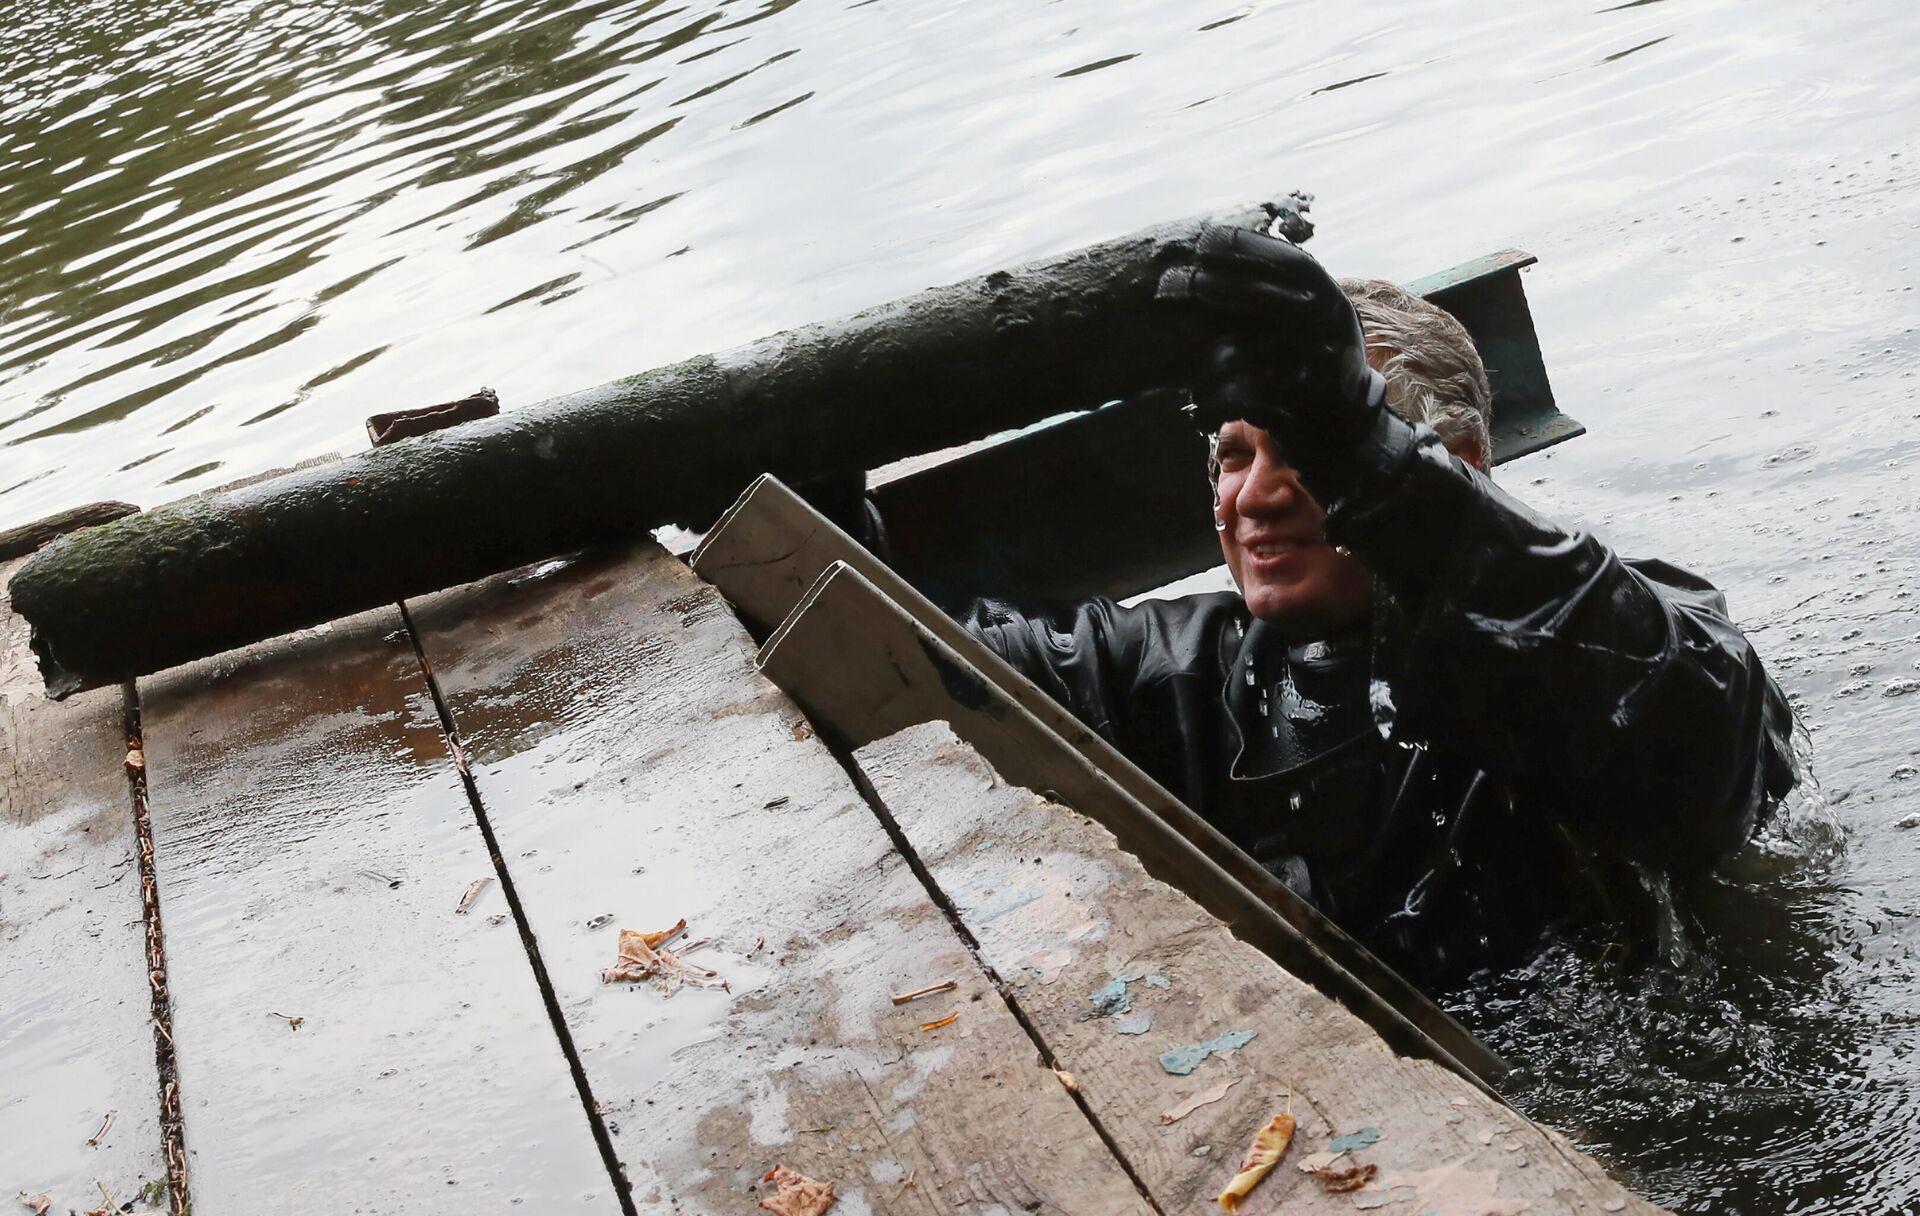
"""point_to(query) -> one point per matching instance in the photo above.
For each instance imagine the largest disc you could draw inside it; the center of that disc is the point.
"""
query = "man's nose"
(1271, 488)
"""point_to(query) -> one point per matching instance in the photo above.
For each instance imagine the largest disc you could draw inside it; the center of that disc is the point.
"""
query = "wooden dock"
(391, 858)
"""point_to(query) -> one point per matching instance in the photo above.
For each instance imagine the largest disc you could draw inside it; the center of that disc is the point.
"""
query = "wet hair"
(1434, 374)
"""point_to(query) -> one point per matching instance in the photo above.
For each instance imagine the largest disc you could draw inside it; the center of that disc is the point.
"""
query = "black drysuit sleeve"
(1619, 693)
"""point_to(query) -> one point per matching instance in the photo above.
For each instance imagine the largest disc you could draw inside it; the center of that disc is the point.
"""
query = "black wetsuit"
(1522, 699)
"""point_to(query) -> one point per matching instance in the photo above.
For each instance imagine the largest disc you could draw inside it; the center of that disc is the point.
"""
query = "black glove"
(1296, 365)
(1293, 362)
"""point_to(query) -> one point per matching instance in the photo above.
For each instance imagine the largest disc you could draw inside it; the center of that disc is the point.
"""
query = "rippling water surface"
(229, 232)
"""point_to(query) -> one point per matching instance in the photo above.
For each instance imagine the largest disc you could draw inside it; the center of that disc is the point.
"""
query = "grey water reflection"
(228, 233)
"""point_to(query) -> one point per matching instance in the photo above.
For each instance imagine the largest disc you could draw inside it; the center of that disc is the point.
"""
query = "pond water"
(229, 232)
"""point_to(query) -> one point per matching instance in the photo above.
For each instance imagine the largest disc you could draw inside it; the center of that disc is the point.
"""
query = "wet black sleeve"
(1086, 657)
(1619, 692)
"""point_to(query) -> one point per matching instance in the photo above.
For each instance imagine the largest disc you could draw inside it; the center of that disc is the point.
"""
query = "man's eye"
(1232, 456)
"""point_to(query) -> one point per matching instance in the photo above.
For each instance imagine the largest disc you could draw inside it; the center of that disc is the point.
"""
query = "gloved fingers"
(1255, 253)
(1236, 294)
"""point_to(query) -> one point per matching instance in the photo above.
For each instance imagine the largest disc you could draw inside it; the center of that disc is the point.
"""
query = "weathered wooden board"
(1114, 968)
(313, 841)
(637, 770)
(771, 549)
(855, 659)
(76, 1031)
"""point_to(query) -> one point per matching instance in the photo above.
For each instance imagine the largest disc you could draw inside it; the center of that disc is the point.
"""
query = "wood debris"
(1262, 1155)
(949, 1020)
(1067, 1079)
(473, 893)
(929, 990)
(292, 1020)
(94, 1140)
(644, 956)
(1174, 1114)
(796, 1194)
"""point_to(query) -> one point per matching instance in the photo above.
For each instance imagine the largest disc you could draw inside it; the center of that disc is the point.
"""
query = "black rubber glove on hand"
(1296, 365)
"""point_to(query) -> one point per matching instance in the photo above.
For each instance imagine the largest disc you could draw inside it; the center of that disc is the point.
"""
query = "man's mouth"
(1275, 548)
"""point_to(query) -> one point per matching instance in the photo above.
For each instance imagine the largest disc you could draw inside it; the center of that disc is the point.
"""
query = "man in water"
(1432, 713)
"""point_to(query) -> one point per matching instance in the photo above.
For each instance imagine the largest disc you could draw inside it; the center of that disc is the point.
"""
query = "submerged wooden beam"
(672, 445)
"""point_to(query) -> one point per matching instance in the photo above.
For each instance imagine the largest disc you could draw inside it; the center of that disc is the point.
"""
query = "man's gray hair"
(1434, 374)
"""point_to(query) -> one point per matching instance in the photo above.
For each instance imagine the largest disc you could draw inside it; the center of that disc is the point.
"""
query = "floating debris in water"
(796, 1194)
(1181, 1061)
(1205, 1097)
(1262, 1155)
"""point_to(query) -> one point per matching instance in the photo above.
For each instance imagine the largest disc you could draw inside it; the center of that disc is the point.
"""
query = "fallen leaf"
(949, 1020)
(1339, 1182)
(136, 761)
(39, 1203)
(796, 1194)
(1204, 1097)
(644, 956)
(1066, 1079)
(1262, 1155)
(473, 892)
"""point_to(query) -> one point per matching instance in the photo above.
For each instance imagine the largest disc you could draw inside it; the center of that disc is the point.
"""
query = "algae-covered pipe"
(672, 445)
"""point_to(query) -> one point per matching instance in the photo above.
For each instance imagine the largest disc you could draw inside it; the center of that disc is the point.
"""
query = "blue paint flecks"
(1138, 1022)
(1111, 999)
(1181, 1061)
(1366, 1137)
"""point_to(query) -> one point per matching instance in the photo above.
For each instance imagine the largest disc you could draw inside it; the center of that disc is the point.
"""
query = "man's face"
(1275, 544)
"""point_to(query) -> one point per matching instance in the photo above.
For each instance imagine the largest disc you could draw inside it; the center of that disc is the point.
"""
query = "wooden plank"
(855, 660)
(313, 841)
(771, 548)
(76, 1032)
(637, 770)
(1061, 914)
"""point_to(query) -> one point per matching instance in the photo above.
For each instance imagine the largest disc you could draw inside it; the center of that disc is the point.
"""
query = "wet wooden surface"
(313, 842)
(314, 839)
(76, 1035)
(1114, 968)
(637, 771)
